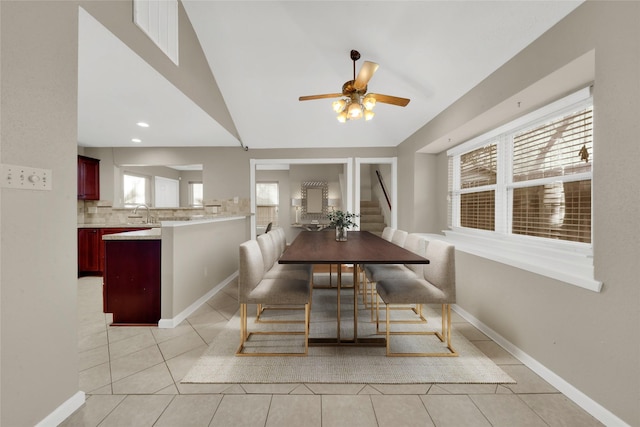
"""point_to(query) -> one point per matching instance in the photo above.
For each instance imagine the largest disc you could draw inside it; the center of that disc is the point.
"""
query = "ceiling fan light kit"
(355, 102)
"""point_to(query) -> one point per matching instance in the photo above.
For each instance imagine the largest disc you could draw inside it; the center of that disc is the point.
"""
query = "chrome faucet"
(135, 211)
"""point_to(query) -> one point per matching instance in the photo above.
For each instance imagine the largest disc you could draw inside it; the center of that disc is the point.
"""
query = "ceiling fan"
(354, 101)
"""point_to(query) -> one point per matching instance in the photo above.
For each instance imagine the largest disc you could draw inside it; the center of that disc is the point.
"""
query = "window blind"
(557, 148)
(560, 148)
(477, 210)
(479, 167)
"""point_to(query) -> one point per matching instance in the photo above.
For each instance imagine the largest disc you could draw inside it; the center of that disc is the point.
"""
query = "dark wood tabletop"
(361, 247)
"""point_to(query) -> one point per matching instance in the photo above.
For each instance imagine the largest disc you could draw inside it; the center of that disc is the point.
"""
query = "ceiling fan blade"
(365, 74)
(387, 99)
(326, 95)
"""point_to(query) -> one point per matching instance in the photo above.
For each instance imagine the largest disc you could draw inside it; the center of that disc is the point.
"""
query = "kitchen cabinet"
(91, 253)
(89, 243)
(88, 178)
(132, 281)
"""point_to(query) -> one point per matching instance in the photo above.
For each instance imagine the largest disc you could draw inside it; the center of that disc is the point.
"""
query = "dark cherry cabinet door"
(89, 244)
(132, 281)
(88, 178)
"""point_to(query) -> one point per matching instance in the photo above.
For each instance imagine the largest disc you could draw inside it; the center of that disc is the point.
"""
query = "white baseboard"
(173, 322)
(63, 411)
(585, 402)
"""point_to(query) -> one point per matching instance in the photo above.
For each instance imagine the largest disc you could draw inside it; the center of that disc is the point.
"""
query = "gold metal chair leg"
(443, 336)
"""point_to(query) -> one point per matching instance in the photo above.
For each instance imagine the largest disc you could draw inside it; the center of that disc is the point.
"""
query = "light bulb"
(338, 105)
(369, 102)
(342, 117)
(368, 114)
(354, 111)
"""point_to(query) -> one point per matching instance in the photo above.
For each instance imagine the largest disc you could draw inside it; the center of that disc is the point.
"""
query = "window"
(526, 187)
(196, 193)
(136, 190)
(266, 203)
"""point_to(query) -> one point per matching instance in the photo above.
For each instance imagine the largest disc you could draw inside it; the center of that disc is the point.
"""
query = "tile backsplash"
(102, 212)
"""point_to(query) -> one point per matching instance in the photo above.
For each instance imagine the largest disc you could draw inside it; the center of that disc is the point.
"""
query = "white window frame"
(570, 262)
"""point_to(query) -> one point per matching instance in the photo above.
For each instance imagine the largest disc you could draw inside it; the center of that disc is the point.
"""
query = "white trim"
(567, 262)
(172, 323)
(555, 108)
(585, 402)
(63, 411)
(393, 161)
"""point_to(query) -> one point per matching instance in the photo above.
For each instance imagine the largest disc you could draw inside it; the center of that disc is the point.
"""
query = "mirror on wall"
(315, 200)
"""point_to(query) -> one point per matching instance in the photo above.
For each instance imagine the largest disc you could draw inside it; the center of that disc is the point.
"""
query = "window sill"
(569, 265)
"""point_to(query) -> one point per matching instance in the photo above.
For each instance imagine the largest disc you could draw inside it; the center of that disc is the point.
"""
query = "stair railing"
(384, 190)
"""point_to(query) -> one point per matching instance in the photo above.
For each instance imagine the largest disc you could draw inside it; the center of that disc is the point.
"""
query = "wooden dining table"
(361, 247)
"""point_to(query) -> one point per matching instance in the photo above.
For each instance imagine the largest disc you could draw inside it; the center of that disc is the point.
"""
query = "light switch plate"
(26, 177)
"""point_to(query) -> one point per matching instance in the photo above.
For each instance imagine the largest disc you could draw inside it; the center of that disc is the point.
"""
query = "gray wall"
(589, 339)
(38, 356)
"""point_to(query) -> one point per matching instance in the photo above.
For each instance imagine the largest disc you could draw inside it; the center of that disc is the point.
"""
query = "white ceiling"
(264, 55)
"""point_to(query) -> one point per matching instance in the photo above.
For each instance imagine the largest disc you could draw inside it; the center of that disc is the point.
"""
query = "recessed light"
(143, 124)
(136, 140)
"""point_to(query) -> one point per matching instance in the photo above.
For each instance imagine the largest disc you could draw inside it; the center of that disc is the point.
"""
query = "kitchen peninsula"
(187, 261)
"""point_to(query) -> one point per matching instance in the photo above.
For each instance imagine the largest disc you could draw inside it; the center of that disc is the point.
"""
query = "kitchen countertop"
(118, 225)
(150, 234)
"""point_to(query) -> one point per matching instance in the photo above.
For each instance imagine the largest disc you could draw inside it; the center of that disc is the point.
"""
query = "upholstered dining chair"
(376, 272)
(270, 250)
(254, 288)
(437, 286)
(387, 233)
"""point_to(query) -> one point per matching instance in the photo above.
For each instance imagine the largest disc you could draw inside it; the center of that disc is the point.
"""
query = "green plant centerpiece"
(342, 221)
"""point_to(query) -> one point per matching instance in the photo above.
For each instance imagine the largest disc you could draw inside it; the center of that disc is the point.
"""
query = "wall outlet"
(26, 178)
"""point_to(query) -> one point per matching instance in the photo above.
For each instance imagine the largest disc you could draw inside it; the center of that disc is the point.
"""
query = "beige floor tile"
(180, 365)
(437, 389)
(348, 411)
(94, 357)
(131, 344)
(93, 328)
(189, 411)
(497, 354)
(139, 411)
(148, 381)
(369, 389)
(118, 333)
(400, 410)
(301, 389)
(504, 410)
(172, 389)
(181, 344)
(294, 411)
(92, 341)
(212, 316)
(454, 411)
(94, 378)
(102, 390)
(469, 388)
(95, 409)
(135, 362)
(402, 388)
(336, 388)
(470, 332)
(165, 334)
(527, 381)
(248, 410)
(558, 410)
(201, 388)
(269, 388)
(208, 332)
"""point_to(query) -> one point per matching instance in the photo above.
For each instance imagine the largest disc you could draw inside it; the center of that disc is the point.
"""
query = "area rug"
(341, 364)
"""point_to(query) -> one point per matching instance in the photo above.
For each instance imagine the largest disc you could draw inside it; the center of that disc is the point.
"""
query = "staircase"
(371, 218)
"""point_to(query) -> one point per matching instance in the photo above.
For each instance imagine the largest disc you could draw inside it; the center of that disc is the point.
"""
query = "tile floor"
(131, 376)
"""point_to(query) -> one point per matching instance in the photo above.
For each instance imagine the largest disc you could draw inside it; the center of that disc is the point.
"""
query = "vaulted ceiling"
(266, 54)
